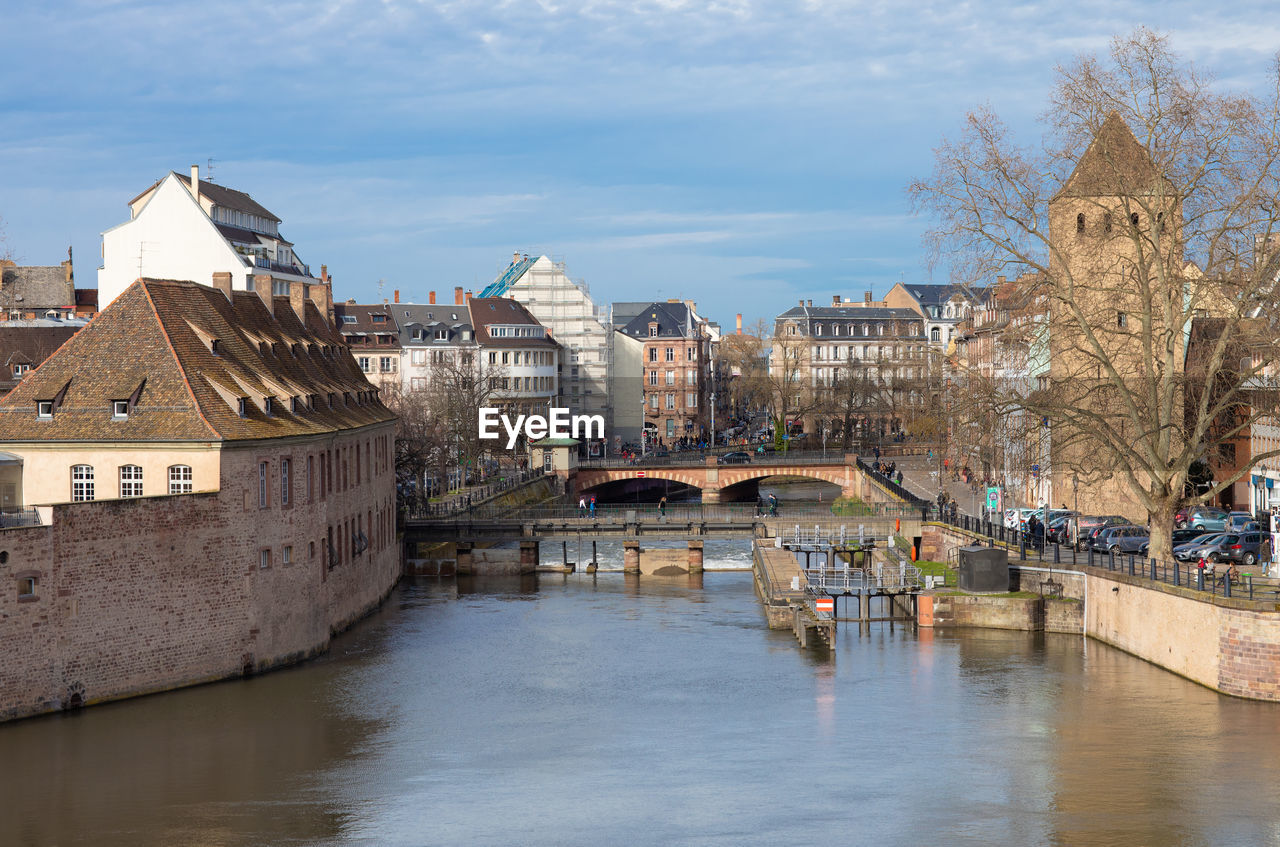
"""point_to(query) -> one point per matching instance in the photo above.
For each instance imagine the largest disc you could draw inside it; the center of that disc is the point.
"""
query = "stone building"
(431, 335)
(214, 483)
(522, 359)
(676, 360)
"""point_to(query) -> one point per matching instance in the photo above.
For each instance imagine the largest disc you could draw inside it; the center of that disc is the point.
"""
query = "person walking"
(662, 506)
(773, 505)
(592, 505)
(759, 505)
(582, 507)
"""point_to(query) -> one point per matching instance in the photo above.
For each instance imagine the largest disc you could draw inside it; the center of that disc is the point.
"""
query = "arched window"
(835, 329)
(81, 483)
(1080, 222)
(935, 334)
(130, 481)
(1106, 222)
(1133, 218)
(817, 329)
(179, 479)
(866, 330)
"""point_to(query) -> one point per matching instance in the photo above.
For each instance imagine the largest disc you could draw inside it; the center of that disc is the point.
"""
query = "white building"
(431, 335)
(183, 228)
(582, 329)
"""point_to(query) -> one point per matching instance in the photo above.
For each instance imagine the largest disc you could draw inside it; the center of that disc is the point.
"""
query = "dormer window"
(653, 330)
(330, 399)
(293, 405)
(215, 347)
(119, 409)
(240, 407)
(379, 319)
(348, 319)
(269, 405)
(44, 409)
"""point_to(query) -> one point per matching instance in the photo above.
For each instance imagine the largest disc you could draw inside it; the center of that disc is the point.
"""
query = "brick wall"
(142, 595)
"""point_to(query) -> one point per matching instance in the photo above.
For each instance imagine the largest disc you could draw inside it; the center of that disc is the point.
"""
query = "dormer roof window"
(119, 409)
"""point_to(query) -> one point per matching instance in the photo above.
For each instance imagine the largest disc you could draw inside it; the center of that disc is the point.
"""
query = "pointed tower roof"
(1115, 164)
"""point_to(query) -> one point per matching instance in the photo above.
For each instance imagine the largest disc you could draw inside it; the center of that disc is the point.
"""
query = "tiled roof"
(672, 320)
(486, 311)
(229, 198)
(852, 315)
(1114, 164)
(364, 323)
(429, 317)
(36, 287)
(156, 341)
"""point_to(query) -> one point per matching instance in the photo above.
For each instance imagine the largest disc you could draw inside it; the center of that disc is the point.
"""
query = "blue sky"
(745, 154)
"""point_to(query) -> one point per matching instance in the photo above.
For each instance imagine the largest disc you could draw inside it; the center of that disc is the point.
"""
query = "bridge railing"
(687, 458)
(878, 577)
(649, 512)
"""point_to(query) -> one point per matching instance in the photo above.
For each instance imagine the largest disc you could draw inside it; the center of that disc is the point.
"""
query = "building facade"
(372, 334)
(676, 355)
(432, 335)
(185, 228)
(521, 359)
(215, 484)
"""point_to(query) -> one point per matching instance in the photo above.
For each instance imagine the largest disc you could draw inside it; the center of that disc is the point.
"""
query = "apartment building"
(373, 336)
(676, 355)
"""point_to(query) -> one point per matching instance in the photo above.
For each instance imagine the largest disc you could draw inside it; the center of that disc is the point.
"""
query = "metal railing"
(19, 517)
(878, 577)
(471, 499)
(1034, 549)
(673, 512)
(894, 488)
(687, 458)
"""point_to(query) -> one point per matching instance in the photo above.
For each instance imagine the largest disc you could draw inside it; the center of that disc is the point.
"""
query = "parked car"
(1178, 538)
(1246, 549)
(1089, 525)
(1017, 518)
(1238, 521)
(737, 457)
(1180, 549)
(1207, 517)
(1121, 539)
(1215, 548)
(1180, 516)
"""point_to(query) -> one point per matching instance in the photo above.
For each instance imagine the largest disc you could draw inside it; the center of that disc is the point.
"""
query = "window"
(1133, 218)
(269, 405)
(653, 330)
(130, 481)
(44, 409)
(286, 483)
(653, 354)
(791, 330)
(348, 319)
(671, 354)
(81, 483)
(364, 363)
(671, 401)
(388, 364)
(286, 555)
(179, 479)
(690, 354)
(653, 401)
(264, 558)
(378, 319)
(692, 376)
(653, 377)
(1106, 222)
(19, 370)
(817, 329)
(27, 587)
(311, 464)
(1080, 222)
(241, 407)
(1122, 320)
(935, 334)
(262, 485)
(691, 400)
(671, 377)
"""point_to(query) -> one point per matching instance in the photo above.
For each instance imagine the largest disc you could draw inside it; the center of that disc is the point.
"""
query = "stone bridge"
(714, 479)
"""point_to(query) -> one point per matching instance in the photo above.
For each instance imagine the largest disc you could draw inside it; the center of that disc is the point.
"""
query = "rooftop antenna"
(209, 176)
(381, 296)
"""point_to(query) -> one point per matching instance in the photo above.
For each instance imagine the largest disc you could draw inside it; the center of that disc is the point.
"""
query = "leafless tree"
(1152, 202)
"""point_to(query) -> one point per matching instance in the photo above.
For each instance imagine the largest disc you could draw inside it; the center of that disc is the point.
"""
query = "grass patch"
(850, 507)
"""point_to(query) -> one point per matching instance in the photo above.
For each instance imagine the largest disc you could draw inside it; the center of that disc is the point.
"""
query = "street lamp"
(1075, 519)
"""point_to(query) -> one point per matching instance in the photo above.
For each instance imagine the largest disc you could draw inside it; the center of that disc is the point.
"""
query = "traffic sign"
(640, 474)
(825, 604)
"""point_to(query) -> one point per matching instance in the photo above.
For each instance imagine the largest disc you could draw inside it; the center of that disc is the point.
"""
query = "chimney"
(431, 298)
(866, 297)
(195, 182)
(515, 257)
(739, 323)
(322, 296)
(262, 285)
(457, 296)
(810, 304)
(999, 280)
(802, 302)
(397, 296)
(468, 298)
(298, 300)
(835, 299)
(222, 282)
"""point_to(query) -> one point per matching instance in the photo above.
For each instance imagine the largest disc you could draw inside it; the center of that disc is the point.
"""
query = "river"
(619, 710)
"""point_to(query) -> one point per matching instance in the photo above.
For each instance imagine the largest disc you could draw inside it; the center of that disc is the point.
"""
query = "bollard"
(1057, 554)
(1200, 578)
(1177, 572)
(1153, 568)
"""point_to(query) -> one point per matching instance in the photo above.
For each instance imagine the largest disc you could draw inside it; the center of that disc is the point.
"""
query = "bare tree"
(1152, 202)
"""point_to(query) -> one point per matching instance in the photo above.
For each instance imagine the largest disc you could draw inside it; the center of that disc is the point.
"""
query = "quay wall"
(148, 594)
(1231, 645)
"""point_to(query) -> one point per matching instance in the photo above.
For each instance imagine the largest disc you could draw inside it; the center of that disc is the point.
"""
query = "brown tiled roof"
(503, 310)
(158, 335)
(1115, 164)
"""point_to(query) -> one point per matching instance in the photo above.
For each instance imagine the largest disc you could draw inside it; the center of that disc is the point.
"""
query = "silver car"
(1122, 539)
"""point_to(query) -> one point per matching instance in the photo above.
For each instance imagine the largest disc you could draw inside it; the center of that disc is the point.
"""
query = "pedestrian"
(582, 506)
(877, 451)
(759, 505)
(662, 506)
(593, 505)
(773, 505)
(899, 477)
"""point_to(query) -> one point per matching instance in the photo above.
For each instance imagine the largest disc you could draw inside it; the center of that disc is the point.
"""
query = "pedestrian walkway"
(920, 477)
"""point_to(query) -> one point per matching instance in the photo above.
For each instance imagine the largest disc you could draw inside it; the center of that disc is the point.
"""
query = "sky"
(743, 154)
